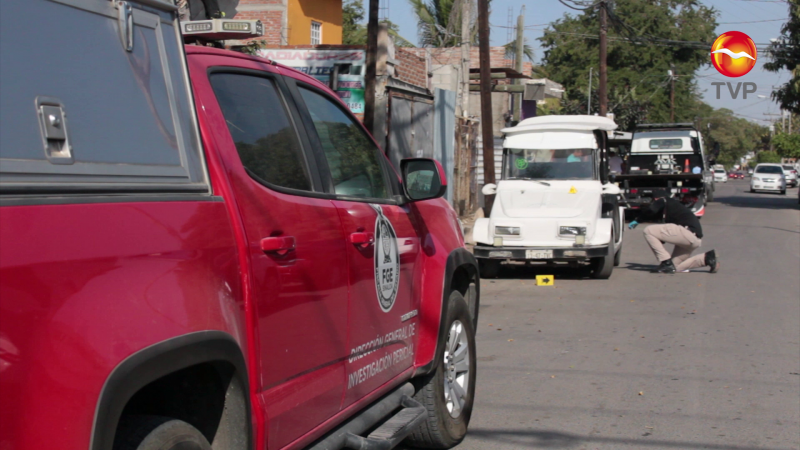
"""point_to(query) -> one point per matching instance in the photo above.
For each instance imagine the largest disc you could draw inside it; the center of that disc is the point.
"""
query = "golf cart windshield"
(570, 164)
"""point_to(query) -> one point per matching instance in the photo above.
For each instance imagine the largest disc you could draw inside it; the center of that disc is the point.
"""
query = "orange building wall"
(327, 12)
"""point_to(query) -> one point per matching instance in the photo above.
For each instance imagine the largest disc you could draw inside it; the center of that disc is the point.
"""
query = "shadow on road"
(521, 271)
(554, 439)
(760, 201)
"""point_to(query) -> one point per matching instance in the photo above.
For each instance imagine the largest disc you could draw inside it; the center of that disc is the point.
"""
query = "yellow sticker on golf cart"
(572, 190)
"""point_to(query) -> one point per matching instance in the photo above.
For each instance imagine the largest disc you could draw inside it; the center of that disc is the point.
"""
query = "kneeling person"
(679, 227)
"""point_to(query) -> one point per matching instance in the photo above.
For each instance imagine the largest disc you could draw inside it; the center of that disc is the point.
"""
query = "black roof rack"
(665, 126)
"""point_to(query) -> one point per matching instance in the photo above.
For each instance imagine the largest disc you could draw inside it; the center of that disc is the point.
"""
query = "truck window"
(668, 144)
(259, 125)
(351, 155)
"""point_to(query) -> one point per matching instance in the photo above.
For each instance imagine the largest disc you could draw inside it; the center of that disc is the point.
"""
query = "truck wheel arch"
(146, 367)
(461, 273)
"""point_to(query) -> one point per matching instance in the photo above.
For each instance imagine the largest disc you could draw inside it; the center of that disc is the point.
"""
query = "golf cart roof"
(570, 123)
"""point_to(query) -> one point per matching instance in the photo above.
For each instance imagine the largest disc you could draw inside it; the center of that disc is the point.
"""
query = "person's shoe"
(664, 267)
(711, 261)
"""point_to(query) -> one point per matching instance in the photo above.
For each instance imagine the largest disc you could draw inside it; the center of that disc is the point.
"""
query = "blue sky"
(539, 14)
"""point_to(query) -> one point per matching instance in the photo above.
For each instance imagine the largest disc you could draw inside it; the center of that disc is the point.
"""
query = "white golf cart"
(554, 203)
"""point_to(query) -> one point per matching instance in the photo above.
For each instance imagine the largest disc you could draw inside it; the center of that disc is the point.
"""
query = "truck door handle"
(362, 238)
(278, 244)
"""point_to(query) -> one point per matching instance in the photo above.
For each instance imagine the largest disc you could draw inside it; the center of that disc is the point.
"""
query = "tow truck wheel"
(449, 391)
(489, 268)
(158, 433)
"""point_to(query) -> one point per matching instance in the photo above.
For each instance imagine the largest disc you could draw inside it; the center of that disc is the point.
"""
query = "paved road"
(646, 361)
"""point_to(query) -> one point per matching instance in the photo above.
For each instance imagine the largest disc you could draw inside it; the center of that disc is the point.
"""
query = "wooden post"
(486, 100)
(466, 21)
(520, 53)
(370, 75)
(601, 90)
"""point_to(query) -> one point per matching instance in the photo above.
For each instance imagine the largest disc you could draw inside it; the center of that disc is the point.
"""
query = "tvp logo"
(734, 54)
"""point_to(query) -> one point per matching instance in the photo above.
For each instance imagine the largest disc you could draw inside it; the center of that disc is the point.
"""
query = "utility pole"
(601, 90)
(466, 12)
(672, 93)
(370, 75)
(520, 45)
(589, 107)
(486, 100)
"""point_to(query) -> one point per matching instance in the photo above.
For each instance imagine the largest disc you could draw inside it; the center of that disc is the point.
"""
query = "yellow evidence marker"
(545, 280)
(572, 190)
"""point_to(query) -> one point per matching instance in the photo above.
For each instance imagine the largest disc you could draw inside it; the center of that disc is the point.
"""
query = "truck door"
(382, 248)
(296, 248)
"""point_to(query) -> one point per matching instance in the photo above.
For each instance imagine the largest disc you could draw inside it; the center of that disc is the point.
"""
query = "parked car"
(768, 177)
(227, 260)
(791, 175)
(555, 202)
(720, 176)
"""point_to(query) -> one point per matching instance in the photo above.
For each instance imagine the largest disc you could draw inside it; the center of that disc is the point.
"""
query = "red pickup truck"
(202, 249)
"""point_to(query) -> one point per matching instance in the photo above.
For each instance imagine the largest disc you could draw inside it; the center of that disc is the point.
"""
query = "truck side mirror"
(423, 178)
(489, 189)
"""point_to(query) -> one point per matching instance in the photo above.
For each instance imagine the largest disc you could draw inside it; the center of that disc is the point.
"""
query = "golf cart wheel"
(604, 265)
(489, 268)
(448, 393)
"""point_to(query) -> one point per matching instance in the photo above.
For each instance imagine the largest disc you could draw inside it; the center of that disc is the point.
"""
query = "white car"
(791, 175)
(554, 202)
(720, 175)
(768, 177)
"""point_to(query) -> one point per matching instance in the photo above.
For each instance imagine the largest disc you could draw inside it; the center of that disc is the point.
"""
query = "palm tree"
(511, 50)
(439, 23)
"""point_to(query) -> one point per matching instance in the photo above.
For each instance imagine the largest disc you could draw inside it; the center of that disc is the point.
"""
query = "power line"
(752, 21)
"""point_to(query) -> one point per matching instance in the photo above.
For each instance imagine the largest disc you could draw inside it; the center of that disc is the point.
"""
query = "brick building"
(296, 22)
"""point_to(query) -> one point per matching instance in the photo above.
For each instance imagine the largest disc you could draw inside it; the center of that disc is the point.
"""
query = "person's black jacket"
(669, 210)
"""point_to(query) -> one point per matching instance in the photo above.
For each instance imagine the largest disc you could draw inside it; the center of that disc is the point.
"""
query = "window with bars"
(316, 33)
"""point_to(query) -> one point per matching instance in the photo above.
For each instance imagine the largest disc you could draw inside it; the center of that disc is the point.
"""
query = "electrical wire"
(753, 21)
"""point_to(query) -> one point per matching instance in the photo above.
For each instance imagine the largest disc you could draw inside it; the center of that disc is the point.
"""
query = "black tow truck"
(668, 156)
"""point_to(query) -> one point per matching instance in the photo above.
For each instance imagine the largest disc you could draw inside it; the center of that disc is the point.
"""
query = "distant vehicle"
(555, 201)
(738, 175)
(791, 175)
(749, 171)
(668, 156)
(720, 175)
(768, 177)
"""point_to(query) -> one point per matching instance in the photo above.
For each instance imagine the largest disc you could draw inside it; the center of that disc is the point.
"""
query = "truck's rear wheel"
(489, 268)
(448, 393)
(158, 433)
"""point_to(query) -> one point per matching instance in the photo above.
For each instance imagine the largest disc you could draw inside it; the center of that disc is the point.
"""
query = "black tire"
(441, 429)
(752, 191)
(710, 195)
(604, 265)
(489, 268)
(158, 433)
(783, 192)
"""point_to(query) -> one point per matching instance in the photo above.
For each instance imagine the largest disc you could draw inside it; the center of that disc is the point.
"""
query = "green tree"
(646, 39)
(734, 135)
(787, 145)
(439, 23)
(784, 53)
(354, 31)
(511, 50)
(768, 157)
